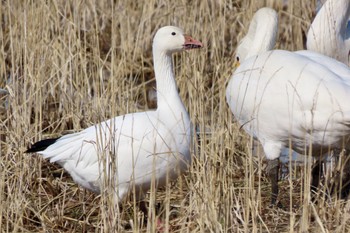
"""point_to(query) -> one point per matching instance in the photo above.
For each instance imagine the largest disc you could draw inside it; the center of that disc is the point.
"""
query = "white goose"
(146, 147)
(328, 33)
(284, 98)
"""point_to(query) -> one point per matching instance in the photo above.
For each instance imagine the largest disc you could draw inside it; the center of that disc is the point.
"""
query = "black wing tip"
(41, 145)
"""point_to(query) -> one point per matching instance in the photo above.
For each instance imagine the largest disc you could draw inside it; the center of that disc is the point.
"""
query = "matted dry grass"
(70, 65)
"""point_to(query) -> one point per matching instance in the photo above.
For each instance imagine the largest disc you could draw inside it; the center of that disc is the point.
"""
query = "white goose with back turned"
(289, 99)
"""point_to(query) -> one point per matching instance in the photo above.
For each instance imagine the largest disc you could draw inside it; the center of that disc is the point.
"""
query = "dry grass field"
(70, 64)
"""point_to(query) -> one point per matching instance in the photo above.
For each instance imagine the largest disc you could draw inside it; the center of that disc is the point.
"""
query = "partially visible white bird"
(284, 99)
(144, 147)
(329, 33)
(261, 36)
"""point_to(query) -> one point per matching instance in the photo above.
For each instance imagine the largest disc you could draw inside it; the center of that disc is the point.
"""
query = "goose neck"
(261, 36)
(335, 14)
(167, 93)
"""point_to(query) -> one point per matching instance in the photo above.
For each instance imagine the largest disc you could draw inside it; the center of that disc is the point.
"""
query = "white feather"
(329, 31)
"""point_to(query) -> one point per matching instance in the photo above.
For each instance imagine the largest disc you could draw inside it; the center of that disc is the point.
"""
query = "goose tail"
(41, 145)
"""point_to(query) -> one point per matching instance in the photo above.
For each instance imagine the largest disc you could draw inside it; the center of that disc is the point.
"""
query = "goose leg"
(272, 170)
(345, 191)
(340, 183)
(316, 174)
(143, 208)
(159, 223)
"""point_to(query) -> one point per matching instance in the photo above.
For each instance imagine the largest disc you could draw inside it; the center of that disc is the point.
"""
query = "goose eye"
(237, 58)
(173, 33)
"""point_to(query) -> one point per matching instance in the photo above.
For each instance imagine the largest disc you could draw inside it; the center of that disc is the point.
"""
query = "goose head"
(261, 36)
(170, 39)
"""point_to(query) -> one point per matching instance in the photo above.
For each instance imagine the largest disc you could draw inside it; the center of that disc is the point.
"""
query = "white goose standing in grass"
(284, 98)
(146, 147)
(329, 33)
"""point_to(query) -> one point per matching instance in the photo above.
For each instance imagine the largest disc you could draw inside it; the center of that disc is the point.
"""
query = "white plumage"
(261, 35)
(329, 33)
(143, 147)
(284, 98)
(280, 97)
